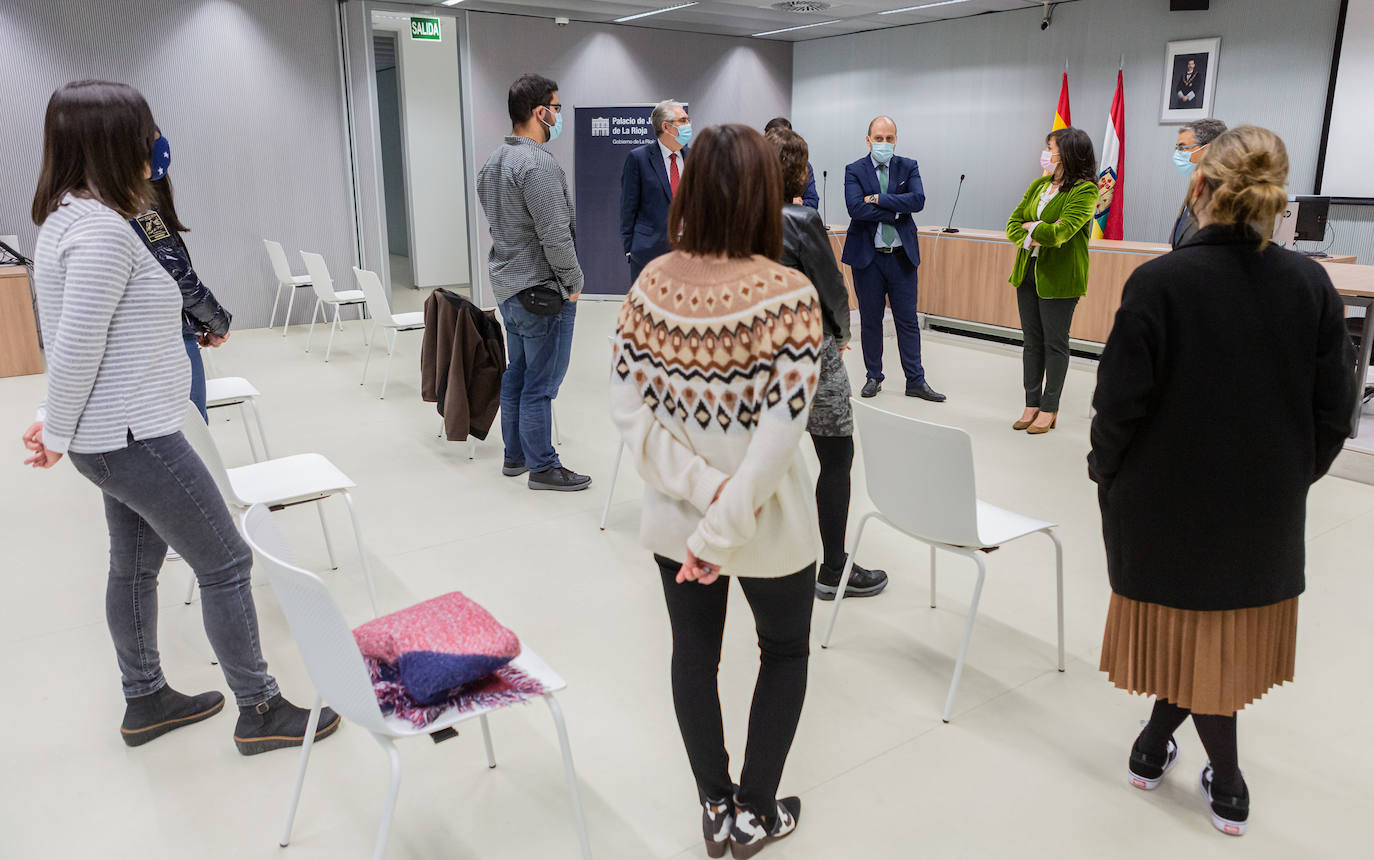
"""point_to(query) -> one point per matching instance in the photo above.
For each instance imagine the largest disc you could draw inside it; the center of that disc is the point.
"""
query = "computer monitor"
(1311, 220)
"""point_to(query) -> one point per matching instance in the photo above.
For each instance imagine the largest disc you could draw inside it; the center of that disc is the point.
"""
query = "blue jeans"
(158, 491)
(197, 375)
(889, 279)
(529, 384)
(565, 342)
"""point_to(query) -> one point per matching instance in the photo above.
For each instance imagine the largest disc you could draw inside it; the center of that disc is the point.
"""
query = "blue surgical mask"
(162, 158)
(1184, 162)
(684, 134)
(882, 152)
(556, 129)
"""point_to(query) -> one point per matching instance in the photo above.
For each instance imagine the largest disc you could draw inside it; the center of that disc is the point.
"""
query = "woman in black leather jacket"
(806, 247)
(204, 322)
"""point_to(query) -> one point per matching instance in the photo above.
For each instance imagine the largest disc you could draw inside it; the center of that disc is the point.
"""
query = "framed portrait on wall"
(1190, 79)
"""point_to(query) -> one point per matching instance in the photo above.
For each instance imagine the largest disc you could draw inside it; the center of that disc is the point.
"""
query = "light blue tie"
(889, 232)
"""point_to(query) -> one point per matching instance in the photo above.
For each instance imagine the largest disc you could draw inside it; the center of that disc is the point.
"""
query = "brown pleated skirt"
(1208, 662)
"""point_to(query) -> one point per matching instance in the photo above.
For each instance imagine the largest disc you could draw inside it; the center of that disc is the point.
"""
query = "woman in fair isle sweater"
(716, 363)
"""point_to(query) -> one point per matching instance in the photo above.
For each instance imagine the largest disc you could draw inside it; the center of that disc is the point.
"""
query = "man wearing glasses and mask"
(647, 185)
(1188, 151)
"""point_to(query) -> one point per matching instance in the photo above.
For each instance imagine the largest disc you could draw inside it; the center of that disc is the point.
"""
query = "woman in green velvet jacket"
(1051, 227)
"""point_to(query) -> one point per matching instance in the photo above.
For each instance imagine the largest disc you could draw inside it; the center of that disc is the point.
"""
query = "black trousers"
(782, 615)
(836, 456)
(1045, 343)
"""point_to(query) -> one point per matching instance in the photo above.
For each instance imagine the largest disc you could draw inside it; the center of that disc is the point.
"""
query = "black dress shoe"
(925, 392)
(871, 388)
(862, 582)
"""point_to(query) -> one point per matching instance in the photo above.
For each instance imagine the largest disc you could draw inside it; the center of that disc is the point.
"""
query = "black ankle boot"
(276, 724)
(156, 714)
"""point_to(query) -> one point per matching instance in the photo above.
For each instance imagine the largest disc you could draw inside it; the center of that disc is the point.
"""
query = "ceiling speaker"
(1188, 5)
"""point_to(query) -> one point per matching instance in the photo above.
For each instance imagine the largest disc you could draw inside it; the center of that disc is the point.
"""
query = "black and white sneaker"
(1230, 812)
(862, 581)
(1147, 771)
(559, 479)
(717, 820)
(513, 470)
(749, 835)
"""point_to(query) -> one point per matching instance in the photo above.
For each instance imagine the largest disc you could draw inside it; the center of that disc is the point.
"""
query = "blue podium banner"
(605, 136)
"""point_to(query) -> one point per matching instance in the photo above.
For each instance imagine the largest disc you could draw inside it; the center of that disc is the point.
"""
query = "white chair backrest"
(920, 475)
(326, 642)
(280, 267)
(319, 275)
(193, 427)
(371, 285)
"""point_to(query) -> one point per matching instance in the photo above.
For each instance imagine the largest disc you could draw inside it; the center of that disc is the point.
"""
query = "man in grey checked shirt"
(536, 278)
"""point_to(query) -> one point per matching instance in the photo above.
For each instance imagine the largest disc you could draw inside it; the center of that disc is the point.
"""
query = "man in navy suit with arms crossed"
(881, 191)
(647, 185)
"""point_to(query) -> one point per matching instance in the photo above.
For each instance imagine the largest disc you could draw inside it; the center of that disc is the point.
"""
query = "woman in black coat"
(806, 248)
(1225, 390)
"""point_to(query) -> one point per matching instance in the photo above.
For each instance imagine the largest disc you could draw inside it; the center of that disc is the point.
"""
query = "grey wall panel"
(977, 96)
(724, 79)
(248, 94)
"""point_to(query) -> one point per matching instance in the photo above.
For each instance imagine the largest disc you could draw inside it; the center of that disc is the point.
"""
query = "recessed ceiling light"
(655, 12)
(922, 6)
(452, 2)
(790, 29)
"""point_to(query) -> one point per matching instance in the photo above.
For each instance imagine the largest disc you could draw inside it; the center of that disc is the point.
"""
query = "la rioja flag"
(1111, 202)
(1061, 113)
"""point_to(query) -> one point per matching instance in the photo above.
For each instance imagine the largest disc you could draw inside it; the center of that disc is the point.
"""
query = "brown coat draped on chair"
(462, 358)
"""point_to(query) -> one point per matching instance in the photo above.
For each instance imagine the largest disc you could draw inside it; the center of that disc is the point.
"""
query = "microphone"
(950, 228)
(825, 188)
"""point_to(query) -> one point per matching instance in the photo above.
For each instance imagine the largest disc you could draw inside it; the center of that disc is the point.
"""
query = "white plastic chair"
(337, 669)
(325, 294)
(280, 483)
(920, 478)
(225, 391)
(380, 309)
(285, 281)
(619, 454)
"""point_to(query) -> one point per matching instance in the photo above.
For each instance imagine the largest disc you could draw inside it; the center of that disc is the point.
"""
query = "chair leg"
(243, 419)
(362, 326)
(610, 494)
(362, 555)
(324, 527)
(390, 349)
(276, 302)
(310, 335)
(932, 576)
(295, 801)
(844, 577)
(571, 776)
(486, 740)
(1059, 590)
(472, 446)
(367, 359)
(190, 589)
(257, 417)
(290, 303)
(968, 634)
(553, 415)
(333, 328)
(390, 810)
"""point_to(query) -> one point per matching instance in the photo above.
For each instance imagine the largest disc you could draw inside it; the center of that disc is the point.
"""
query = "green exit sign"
(425, 28)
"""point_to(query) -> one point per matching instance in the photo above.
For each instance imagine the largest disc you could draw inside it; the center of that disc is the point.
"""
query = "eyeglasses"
(1188, 147)
(556, 108)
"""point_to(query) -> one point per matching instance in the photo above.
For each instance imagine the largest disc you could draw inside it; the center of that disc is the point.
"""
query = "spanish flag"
(1061, 113)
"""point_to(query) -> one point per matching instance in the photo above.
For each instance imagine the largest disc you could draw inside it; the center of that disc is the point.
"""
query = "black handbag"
(542, 301)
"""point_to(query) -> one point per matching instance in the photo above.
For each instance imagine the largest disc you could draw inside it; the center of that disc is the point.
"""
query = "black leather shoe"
(559, 479)
(871, 388)
(925, 392)
(156, 714)
(862, 582)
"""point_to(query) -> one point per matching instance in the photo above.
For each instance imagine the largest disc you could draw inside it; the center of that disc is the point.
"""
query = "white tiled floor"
(1032, 766)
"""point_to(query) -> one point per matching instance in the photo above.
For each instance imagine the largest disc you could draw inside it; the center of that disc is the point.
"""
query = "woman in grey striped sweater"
(118, 383)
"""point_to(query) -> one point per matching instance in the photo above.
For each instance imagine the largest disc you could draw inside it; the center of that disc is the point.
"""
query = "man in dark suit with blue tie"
(881, 191)
(647, 185)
